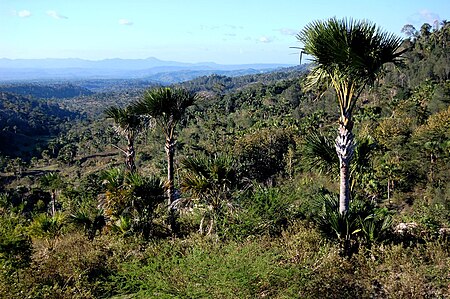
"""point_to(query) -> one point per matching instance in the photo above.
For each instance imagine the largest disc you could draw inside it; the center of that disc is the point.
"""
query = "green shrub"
(49, 227)
(362, 223)
(15, 245)
(203, 268)
(263, 211)
(73, 267)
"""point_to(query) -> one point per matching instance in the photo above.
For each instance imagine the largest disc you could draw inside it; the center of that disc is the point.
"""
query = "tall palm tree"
(128, 125)
(53, 182)
(166, 106)
(347, 55)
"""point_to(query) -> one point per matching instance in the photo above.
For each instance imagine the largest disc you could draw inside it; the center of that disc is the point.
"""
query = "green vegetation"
(248, 207)
(59, 91)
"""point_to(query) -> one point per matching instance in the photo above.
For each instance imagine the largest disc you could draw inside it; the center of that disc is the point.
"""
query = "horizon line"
(148, 58)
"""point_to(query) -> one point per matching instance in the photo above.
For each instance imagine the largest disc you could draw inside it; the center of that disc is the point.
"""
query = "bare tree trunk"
(344, 149)
(211, 226)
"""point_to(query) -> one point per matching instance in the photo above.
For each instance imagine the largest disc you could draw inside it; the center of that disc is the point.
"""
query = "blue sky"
(227, 32)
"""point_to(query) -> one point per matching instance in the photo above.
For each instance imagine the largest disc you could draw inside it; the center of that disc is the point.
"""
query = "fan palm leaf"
(165, 105)
(126, 123)
(319, 153)
(349, 54)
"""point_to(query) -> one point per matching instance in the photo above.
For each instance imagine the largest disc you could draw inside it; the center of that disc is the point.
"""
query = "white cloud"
(429, 16)
(265, 39)
(55, 15)
(24, 13)
(227, 27)
(235, 27)
(287, 31)
(125, 22)
(423, 16)
(209, 27)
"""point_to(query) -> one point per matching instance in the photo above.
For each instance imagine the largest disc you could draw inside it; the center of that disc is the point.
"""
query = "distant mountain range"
(150, 68)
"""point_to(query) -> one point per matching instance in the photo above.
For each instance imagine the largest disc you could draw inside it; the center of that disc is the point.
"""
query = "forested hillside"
(25, 124)
(34, 90)
(228, 187)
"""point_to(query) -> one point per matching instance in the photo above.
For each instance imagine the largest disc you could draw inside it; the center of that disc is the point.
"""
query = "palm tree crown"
(348, 54)
(126, 123)
(165, 105)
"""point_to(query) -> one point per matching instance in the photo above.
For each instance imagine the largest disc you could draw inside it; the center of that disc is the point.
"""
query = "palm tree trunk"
(170, 152)
(344, 149)
(389, 191)
(130, 154)
(53, 195)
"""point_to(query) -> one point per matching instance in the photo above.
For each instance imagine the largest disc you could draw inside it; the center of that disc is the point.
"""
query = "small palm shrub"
(364, 223)
(48, 227)
(209, 182)
(265, 211)
(130, 201)
(122, 226)
(91, 224)
(146, 194)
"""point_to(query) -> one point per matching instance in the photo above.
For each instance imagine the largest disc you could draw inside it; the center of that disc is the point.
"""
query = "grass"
(298, 263)
(205, 268)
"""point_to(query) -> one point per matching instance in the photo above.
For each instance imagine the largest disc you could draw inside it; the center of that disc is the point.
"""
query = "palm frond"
(320, 153)
(205, 177)
(126, 122)
(357, 49)
(364, 151)
(165, 105)
(113, 179)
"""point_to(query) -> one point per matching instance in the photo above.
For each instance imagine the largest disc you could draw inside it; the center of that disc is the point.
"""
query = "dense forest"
(231, 188)
(47, 91)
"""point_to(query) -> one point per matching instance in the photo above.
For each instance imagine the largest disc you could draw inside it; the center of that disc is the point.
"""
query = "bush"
(261, 154)
(203, 268)
(48, 227)
(73, 267)
(15, 245)
(263, 211)
(363, 223)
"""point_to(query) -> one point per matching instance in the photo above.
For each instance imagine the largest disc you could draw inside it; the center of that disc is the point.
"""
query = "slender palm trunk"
(344, 149)
(170, 152)
(130, 155)
(53, 195)
(389, 190)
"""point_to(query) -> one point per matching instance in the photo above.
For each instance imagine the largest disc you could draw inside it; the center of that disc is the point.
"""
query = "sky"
(220, 31)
